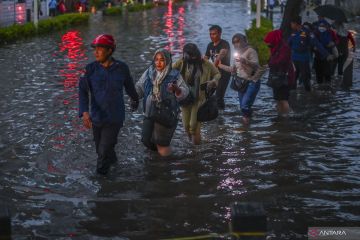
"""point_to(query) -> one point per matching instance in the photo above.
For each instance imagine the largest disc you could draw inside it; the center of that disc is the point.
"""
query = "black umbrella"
(332, 12)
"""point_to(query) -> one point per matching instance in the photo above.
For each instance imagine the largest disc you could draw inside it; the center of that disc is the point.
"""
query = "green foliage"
(112, 11)
(140, 7)
(253, 6)
(16, 31)
(97, 3)
(256, 38)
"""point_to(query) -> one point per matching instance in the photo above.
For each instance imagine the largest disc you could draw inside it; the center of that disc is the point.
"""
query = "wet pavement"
(305, 169)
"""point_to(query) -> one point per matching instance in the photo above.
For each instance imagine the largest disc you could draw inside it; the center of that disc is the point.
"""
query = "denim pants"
(247, 98)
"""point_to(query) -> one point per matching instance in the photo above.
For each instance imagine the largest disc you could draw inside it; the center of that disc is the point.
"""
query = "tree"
(292, 8)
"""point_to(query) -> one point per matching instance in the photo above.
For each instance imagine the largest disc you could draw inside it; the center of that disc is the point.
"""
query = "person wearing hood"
(244, 70)
(280, 62)
(199, 75)
(161, 87)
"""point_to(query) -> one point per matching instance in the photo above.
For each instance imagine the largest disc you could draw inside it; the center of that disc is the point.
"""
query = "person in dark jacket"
(160, 83)
(324, 67)
(300, 44)
(280, 61)
(104, 81)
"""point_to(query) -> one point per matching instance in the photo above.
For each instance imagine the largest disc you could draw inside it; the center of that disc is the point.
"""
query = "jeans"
(247, 98)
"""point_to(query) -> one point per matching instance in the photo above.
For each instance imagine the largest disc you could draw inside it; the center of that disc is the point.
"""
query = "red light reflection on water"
(175, 35)
(72, 46)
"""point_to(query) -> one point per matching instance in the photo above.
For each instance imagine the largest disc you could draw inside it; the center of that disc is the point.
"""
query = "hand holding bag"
(239, 84)
(163, 113)
(208, 111)
(277, 79)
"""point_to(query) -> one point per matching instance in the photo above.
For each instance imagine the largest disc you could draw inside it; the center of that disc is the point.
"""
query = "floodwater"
(305, 169)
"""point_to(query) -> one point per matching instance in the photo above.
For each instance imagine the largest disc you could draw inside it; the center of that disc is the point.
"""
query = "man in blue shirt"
(103, 83)
(52, 8)
(300, 44)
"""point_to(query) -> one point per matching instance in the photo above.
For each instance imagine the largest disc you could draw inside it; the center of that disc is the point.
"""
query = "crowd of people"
(167, 88)
(57, 7)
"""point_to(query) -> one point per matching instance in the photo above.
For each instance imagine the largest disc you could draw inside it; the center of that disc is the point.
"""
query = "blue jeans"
(247, 98)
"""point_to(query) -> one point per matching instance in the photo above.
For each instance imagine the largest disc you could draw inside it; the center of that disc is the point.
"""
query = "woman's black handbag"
(208, 111)
(163, 113)
(190, 99)
(239, 84)
(277, 79)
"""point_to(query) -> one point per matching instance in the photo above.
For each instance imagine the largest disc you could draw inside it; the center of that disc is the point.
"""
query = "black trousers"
(343, 54)
(323, 70)
(221, 89)
(303, 73)
(105, 137)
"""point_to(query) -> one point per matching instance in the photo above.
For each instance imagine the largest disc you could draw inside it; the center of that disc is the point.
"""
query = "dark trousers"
(221, 89)
(52, 12)
(303, 73)
(105, 137)
(323, 70)
(343, 54)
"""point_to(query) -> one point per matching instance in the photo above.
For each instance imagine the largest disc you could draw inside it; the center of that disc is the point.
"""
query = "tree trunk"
(292, 8)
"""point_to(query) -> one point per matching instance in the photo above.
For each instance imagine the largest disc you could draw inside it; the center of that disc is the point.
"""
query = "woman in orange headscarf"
(281, 67)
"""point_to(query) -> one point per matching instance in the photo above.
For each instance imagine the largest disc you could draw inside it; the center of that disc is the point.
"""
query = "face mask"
(322, 29)
(186, 57)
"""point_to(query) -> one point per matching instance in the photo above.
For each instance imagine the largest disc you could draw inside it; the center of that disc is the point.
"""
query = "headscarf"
(273, 38)
(157, 76)
(243, 41)
(192, 67)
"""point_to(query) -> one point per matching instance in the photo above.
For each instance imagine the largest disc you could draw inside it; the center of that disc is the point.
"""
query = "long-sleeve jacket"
(104, 87)
(246, 65)
(210, 73)
(144, 88)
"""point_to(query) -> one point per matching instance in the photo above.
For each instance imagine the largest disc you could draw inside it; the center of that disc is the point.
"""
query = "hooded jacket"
(280, 57)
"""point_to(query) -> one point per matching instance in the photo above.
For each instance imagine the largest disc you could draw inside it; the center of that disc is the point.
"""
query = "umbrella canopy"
(332, 12)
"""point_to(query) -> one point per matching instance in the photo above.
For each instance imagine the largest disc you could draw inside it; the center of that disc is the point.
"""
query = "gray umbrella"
(332, 12)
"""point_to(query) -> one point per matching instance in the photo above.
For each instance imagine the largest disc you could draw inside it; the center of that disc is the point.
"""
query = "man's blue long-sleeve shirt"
(104, 88)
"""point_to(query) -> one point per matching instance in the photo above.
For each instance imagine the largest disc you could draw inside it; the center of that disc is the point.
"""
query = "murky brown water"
(305, 168)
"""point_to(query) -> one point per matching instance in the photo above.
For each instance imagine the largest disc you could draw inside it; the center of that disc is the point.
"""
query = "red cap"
(104, 40)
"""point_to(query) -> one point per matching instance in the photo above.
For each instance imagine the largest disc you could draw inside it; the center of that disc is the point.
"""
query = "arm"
(222, 54)
(352, 40)
(319, 47)
(252, 59)
(226, 68)
(283, 58)
(140, 84)
(214, 75)
(178, 64)
(84, 90)
(207, 53)
(129, 85)
(182, 89)
(83, 95)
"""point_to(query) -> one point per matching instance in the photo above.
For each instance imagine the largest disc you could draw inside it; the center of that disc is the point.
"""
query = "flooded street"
(306, 169)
